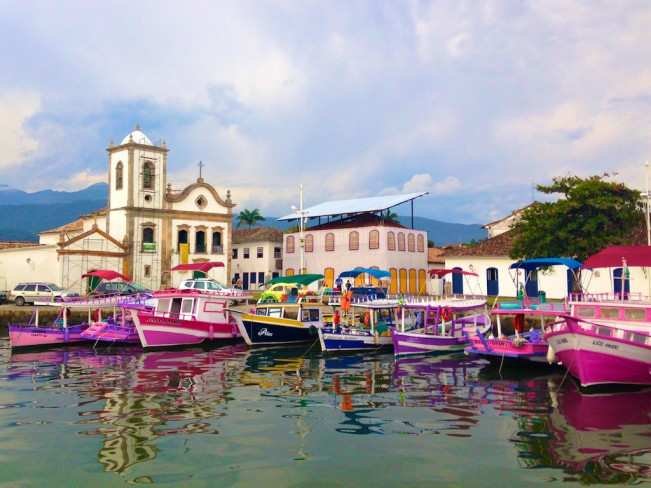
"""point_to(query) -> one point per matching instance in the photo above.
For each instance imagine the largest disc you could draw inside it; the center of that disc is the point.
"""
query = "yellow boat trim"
(261, 319)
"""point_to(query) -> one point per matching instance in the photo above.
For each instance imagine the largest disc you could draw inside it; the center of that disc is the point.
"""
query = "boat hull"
(332, 341)
(507, 349)
(258, 330)
(415, 342)
(156, 331)
(32, 336)
(601, 355)
(111, 333)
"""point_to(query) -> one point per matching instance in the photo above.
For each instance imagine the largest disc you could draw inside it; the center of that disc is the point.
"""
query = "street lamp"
(302, 214)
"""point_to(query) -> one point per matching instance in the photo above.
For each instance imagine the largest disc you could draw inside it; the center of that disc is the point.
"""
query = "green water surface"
(230, 416)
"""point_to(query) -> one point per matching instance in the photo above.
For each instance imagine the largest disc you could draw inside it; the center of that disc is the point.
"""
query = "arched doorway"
(531, 285)
(457, 281)
(492, 282)
(618, 273)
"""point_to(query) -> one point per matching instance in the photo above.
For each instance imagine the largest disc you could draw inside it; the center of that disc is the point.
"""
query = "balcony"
(148, 247)
(217, 249)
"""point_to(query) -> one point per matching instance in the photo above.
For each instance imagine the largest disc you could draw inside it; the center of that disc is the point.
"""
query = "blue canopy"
(535, 263)
(375, 273)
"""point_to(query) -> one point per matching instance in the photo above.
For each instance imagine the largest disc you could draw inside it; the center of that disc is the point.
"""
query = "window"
(420, 243)
(245, 253)
(234, 253)
(401, 241)
(199, 241)
(310, 315)
(148, 244)
(182, 238)
(147, 271)
(587, 312)
(163, 305)
(119, 178)
(217, 247)
(289, 245)
(148, 175)
(609, 313)
(353, 241)
(260, 277)
(30, 288)
(309, 243)
(253, 278)
(634, 314)
(186, 305)
(147, 234)
(491, 274)
(330, 242)
(259, 252)
(391, 241)
(199, 285)
(374, 239)
(277, 253)
(236, 278)
(411, 243)
(43, 288)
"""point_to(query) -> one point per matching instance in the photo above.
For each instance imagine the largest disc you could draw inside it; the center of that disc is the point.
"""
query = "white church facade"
(146, 229)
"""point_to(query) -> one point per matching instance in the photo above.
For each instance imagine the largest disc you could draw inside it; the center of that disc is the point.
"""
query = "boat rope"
(501, 364)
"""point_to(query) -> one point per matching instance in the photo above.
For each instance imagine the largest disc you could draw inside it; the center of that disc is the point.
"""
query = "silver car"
(37, 292)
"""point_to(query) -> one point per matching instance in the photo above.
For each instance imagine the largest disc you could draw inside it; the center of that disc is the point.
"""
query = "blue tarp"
(375, 273)
(535, 263)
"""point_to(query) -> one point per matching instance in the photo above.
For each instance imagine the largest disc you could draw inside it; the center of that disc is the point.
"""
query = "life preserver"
(446, 314)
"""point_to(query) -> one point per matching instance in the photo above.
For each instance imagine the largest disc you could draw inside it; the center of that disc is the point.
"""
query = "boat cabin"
(192, 306)
(307, 312)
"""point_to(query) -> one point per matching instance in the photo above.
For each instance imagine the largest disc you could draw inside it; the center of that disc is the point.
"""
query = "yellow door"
(422, 282)
(413, 284)
(393, 286)
(403, 280)
(329, 277)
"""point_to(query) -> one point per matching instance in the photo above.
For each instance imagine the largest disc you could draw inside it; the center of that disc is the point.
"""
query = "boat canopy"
(375, 273)
(105, 274)
(302, 279)
(441, 272)
(203, 267)
(536, 263)
(613, 257)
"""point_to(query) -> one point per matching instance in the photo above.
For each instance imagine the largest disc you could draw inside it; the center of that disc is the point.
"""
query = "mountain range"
(23, 215)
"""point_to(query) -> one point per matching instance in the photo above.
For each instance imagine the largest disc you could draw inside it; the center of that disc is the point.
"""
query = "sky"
(473, 101)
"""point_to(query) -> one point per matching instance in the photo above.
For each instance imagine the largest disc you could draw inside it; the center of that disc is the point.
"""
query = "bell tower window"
(119, 179)
(148, 175)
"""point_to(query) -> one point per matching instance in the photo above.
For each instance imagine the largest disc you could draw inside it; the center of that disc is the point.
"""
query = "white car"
(203, 284)
(38, 292)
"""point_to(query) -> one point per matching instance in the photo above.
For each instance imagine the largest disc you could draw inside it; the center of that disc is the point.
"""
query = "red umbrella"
(105, 274)
(204, 267)
(440, 273)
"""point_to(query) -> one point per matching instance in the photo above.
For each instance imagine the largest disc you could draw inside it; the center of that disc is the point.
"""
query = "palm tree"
(249, 217)
(391, 216)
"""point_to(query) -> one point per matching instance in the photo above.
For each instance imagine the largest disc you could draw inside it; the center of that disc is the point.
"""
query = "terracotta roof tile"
(17, 244)
(364, 220)
(495, 246)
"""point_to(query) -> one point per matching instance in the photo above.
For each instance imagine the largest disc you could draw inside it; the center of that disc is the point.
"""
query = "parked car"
(37, 292)
(280, 292)
(202, 284)
(118, 288)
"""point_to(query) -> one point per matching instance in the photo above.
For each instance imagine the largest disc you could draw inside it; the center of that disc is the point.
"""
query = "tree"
(591, 214)
(391, 216)
(249, 217)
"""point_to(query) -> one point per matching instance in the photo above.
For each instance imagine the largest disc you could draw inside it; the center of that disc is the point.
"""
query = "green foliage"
(591, 214)
(430, 243)
(391, 216)
(249, 217)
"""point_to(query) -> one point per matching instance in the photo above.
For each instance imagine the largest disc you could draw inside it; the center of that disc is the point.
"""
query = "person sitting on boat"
(338, 284)
(348, 285)
(336, 321)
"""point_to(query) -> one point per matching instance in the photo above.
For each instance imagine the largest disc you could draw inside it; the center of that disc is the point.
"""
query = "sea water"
(231, 416)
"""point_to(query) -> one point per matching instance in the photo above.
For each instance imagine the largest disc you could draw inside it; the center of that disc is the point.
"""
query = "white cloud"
(424, 182)
(80, 180)
(16, 143)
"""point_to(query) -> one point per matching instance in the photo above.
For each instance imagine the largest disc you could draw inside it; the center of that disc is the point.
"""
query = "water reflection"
(131, 400)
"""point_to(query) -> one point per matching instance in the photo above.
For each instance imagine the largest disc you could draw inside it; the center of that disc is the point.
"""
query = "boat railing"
(610, 297)
(605, 331)
(113, 300)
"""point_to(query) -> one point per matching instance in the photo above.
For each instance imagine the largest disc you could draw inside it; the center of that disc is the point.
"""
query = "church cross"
(201, 165)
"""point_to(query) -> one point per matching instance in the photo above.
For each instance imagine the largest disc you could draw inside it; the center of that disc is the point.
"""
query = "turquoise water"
(280, 417)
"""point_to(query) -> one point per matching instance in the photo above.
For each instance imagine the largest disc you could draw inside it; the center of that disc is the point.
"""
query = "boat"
(527, 346)
(606, 338)
(60, 331)
(442, 325)
(116, 328)
(187, 317)
(291, 318)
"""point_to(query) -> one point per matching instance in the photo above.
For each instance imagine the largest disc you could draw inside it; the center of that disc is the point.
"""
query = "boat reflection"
(131, 399)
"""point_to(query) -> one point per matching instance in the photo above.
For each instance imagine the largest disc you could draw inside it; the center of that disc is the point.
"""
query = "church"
(146, 229)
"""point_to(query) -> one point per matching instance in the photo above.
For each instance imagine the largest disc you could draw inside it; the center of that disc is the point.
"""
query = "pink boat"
(38, 335)
(524, 345)
(187, 317)
(118, 328)
(607, 339)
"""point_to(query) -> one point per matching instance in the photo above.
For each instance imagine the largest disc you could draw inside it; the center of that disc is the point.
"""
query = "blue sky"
(472, 101)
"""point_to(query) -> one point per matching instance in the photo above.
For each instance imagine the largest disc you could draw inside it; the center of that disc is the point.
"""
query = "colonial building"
(256, 256)
(346, 234)
(146, 229)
